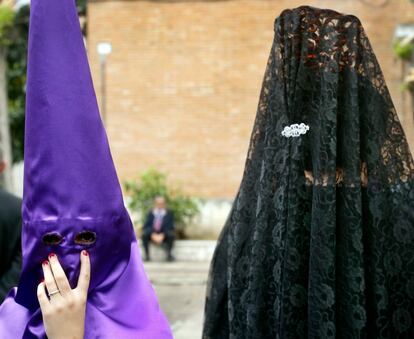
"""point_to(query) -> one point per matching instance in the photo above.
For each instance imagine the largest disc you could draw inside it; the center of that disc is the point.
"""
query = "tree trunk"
(5, 141)
(412, 102)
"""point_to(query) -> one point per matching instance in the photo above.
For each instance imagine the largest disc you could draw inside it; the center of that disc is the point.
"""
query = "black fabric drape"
(10, 247)
(320, 239)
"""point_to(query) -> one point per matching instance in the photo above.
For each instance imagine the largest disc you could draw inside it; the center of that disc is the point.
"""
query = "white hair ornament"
(295, 130)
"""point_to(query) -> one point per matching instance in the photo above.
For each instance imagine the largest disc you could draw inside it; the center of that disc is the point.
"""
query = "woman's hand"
(64, 310)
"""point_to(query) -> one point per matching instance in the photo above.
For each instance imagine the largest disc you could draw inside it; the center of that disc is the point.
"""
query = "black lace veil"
(320, 239)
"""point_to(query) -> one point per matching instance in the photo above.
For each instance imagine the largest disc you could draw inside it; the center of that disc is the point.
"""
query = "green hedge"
(154, 183)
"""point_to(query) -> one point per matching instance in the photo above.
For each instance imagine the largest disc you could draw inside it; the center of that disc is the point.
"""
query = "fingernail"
(85, 253)
(42, 280)
(51, 255)
(45, 263)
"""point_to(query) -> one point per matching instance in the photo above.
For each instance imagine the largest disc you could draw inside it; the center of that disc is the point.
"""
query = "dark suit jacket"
(10, 247)
(167, 225)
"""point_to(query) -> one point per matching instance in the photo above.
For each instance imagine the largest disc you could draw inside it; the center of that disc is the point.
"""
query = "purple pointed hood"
(72, 198)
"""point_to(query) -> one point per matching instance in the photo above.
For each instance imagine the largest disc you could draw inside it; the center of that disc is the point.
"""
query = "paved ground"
(181, 288)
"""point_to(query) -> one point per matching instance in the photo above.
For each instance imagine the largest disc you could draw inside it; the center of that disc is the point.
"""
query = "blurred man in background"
(159, 228)
(10, 248)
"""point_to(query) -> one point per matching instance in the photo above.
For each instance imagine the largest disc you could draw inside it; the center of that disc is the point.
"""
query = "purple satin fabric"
(70, 186)
(116, 308)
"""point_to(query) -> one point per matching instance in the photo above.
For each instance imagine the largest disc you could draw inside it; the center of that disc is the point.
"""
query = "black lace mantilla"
(320, 240)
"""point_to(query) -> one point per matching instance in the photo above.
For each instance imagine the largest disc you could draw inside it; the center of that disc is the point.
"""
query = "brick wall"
(184, 77)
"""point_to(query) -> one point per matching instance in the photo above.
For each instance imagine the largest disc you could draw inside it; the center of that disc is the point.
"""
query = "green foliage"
(403, 50)
(154, 183)
(407, 86)
(81, 7)
(15, 35)
(16, 79)
(6, 24)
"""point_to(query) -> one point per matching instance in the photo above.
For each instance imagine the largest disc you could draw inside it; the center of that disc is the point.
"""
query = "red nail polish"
(51, 255)
(45, 263)
(85, 253)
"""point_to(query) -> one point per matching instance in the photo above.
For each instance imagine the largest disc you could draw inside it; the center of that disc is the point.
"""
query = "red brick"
(184, 80)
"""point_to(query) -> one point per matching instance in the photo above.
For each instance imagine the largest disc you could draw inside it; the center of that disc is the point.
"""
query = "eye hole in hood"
(52, 239)
(85, 238)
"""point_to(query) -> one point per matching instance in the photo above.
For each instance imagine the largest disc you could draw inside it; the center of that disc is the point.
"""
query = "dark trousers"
(168, 242)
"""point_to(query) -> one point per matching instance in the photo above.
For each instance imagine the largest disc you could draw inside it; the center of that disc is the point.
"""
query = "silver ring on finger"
(53, 292)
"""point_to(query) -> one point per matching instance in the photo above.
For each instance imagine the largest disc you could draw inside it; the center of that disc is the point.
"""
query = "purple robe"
(71, 186)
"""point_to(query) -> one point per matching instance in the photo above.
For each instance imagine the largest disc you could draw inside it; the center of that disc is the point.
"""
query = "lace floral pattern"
(320, 239)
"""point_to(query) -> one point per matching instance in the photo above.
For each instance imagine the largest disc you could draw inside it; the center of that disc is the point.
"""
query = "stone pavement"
(181, 288)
